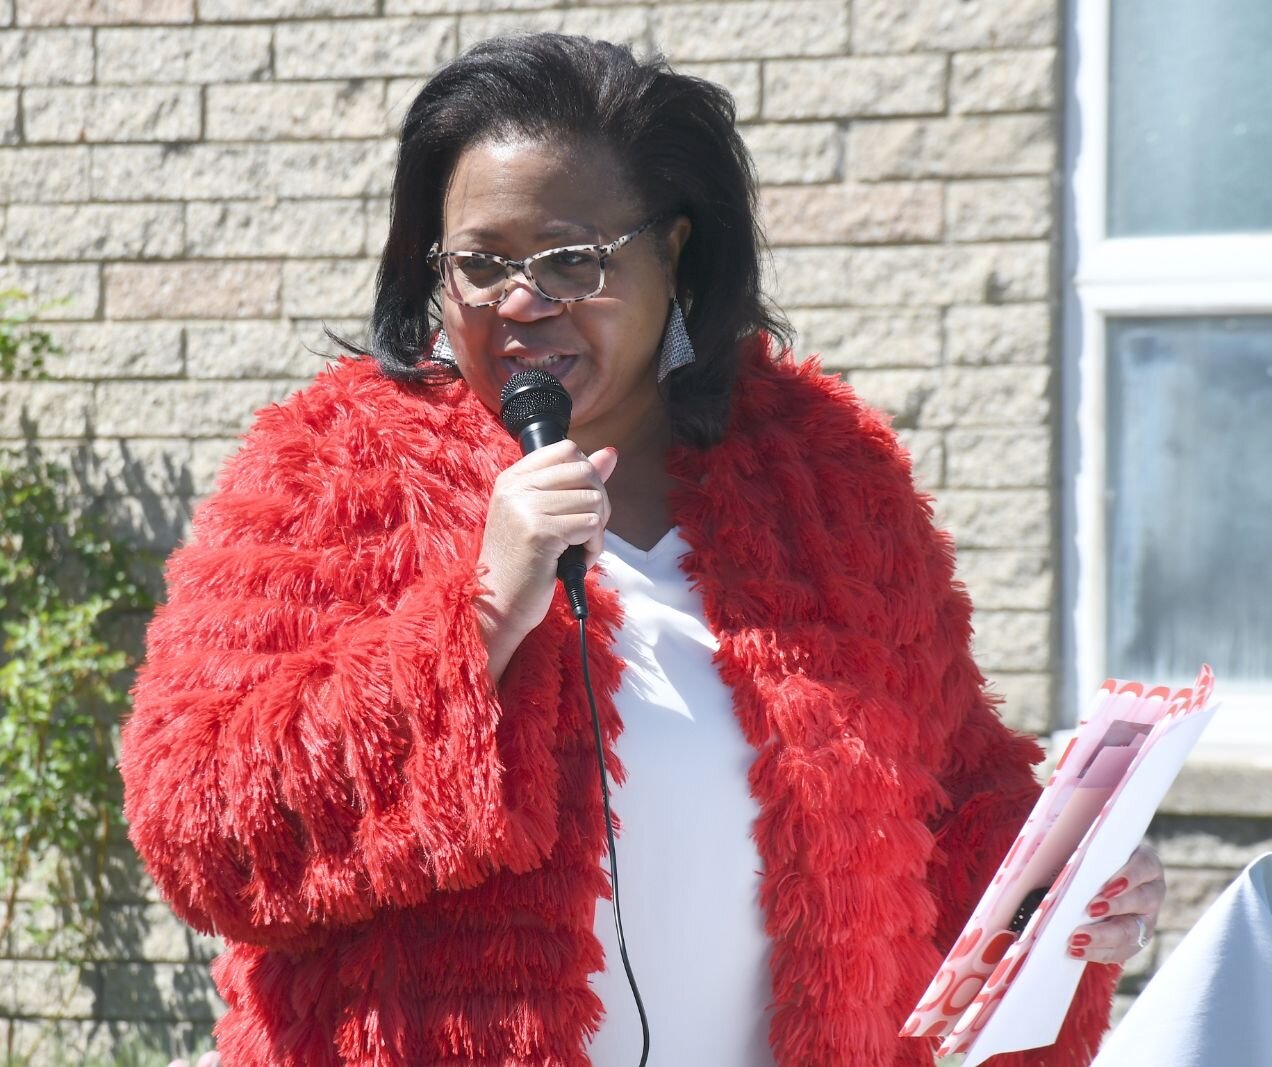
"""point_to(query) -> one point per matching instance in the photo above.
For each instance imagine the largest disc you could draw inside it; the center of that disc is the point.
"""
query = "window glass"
(1190, 497)
(1190, 117)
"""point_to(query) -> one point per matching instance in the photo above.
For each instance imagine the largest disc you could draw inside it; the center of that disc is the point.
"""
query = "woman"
(361, 749)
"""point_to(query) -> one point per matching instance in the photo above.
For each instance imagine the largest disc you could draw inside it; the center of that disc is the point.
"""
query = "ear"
(673, 244)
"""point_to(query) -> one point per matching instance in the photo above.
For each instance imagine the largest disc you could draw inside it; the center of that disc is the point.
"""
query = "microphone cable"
(535, 409)
(576, 599)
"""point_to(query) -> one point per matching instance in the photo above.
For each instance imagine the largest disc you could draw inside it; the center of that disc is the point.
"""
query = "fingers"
(557, 482)
(593, 470)
(549, 456)
(1114, 940)
(1138, 888)
(605, 461)
(601, 464)
(1143, 866)
(1145, 900)
(1127, 905)
(572, 502)
(593, 547)
(548, 500)
(573, 491)
(573, 474)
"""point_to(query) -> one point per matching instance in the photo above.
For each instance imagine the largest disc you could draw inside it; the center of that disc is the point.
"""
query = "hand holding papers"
(1008, 982)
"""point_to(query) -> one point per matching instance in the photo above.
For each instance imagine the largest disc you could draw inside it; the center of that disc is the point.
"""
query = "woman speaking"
(362, 750)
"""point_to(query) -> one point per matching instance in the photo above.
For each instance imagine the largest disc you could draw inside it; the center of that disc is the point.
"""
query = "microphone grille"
(530, 395)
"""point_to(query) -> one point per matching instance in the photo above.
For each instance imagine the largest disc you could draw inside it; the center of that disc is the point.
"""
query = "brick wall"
(203, 184)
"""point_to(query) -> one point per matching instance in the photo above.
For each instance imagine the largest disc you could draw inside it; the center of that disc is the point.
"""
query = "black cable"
(613, 855)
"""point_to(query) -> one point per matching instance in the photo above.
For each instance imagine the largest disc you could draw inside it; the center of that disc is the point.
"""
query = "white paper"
(1208, 1004)
(1034, 1005)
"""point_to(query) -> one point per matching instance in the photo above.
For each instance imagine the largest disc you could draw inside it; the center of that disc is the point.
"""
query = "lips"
(558, 364)
(538, 362)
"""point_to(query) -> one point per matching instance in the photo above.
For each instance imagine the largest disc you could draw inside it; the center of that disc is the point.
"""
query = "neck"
(639, 486)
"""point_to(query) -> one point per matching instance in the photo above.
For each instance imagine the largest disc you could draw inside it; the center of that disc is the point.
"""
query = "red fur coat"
(405, 864)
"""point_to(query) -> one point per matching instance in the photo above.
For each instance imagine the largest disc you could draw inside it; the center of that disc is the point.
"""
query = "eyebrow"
(561, 231)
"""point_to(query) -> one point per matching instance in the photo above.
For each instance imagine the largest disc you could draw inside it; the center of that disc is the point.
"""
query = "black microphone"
(535, 408)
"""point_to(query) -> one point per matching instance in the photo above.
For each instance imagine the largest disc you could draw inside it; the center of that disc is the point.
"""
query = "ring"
(1141, 928)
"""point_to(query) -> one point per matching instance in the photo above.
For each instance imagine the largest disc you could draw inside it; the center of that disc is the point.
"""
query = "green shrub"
(63, 582)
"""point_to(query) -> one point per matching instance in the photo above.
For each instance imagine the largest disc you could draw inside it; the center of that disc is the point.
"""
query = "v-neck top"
(688, 869)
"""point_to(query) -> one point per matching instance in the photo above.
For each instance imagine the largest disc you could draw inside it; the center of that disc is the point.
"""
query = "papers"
(1008, 982)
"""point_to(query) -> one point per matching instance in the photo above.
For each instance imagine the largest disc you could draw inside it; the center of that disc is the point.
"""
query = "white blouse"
(688, 870)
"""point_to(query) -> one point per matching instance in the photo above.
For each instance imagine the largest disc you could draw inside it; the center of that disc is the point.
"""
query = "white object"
(999, 991)
(1209, 1003)
(688, 870)
(1035, 1002)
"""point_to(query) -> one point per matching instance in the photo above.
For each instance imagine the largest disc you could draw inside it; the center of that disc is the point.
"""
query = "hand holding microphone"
(547, 520)
(550, 500)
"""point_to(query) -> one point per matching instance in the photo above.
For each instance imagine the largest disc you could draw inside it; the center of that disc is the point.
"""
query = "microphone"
(535, 409)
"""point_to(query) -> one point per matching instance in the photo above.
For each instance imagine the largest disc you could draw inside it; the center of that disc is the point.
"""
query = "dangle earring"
(677, 349)
(442, 351)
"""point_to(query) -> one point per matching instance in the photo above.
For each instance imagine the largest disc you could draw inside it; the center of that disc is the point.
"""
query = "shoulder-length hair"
(675, 136)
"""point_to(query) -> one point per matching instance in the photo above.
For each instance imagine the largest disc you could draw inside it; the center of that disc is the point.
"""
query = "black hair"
(676, 139)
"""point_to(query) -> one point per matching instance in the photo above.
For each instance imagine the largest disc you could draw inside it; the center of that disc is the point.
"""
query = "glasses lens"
(568, 274)
(472, 278)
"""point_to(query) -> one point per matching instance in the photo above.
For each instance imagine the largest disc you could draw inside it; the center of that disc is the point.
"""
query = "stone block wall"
(203, 184)
(195, 186)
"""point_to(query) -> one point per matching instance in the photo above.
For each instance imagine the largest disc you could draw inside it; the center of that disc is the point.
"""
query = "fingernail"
(1098, 908)
(1115, 887)
(1077, 953)
(1078, 940)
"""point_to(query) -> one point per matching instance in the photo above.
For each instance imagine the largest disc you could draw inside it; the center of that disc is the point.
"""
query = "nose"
(524, 303)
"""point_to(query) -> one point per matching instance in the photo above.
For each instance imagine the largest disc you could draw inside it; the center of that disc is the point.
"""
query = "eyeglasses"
(562, 275)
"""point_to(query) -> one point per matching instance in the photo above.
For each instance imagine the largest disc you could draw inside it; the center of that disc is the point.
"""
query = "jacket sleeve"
(985, 774)
(314, 734)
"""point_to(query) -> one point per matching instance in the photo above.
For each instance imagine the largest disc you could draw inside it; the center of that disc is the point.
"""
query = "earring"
(677, 349)
(442, 351)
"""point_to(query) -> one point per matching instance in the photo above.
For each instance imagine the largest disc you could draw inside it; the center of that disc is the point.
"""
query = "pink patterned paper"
(1124, 722)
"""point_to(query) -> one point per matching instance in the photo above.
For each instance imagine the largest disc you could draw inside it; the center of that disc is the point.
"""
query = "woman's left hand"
(1124, 913)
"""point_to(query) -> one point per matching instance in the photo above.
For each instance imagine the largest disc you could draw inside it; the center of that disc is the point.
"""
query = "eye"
(479, 270)
(571, 261)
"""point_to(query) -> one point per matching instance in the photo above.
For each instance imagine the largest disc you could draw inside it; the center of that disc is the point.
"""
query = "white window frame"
(1108, 277)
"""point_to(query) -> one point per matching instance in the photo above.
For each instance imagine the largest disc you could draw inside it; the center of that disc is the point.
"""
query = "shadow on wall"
(138, 992)
(138, 443)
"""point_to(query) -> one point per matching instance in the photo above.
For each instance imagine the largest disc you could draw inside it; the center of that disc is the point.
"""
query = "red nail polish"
(1077, 953)
(1079, 940)
(1118, 885)
(1098, 908)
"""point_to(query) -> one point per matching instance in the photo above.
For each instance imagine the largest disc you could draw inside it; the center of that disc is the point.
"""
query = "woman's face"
(517, 198)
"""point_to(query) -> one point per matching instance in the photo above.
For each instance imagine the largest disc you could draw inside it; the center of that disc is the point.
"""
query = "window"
(1167, 439)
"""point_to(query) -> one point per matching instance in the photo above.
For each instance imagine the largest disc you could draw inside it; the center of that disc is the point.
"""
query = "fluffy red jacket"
(405, 864)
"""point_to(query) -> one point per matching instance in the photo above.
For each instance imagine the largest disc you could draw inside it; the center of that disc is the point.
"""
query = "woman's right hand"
(548, 500)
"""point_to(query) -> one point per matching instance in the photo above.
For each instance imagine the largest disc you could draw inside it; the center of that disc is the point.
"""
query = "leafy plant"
(23, 347)
(128, 1052)
(63, 580)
